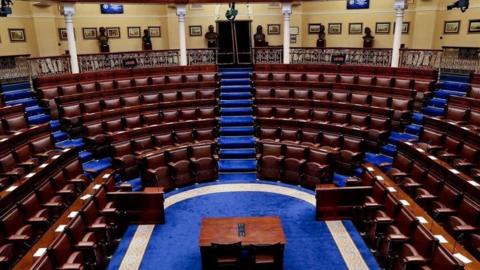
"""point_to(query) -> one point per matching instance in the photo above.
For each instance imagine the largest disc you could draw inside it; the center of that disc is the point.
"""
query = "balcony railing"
(353, 56)
(13, 67)
(267, 55)
(202, 56)
(53, 65)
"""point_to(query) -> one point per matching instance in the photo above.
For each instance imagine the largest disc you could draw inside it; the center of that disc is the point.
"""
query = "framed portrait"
(451, 27)
(273, 29)
(134, 32)
(474, 26)
(195, 30)
(313, 28)
(113, 32)
(382, 28)
(405, 27)
(335, 28)
(62, 34)
(294, 30)
(89, 33)
(17, 34)
(155, 31)
(293, 39)
(355, 28)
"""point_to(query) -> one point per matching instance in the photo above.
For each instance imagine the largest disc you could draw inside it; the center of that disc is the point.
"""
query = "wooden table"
(258, 231)
(431, 225)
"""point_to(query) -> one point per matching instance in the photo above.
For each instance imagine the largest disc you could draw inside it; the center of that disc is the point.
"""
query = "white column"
(286, 11)
(68, 12)
(181, 11)
(399, 7)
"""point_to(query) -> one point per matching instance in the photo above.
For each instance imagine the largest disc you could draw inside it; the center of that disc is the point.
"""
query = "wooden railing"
(14, 67)
(52, 65)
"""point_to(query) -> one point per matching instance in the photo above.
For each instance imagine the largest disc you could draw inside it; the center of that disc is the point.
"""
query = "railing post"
(286, 11)
(181, 12)
(68, 12)
(399, 6)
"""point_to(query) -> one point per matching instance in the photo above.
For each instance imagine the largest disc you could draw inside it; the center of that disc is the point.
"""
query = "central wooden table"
(258, 231)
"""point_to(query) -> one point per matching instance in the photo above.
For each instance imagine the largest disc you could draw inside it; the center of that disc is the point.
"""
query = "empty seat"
(205, 166)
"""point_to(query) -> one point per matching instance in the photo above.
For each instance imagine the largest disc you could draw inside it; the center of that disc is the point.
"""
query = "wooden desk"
(431, 224)
(258, 231)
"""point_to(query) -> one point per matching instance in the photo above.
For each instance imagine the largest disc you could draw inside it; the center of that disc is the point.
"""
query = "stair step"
(17, 94)
(33, 110)
(236, 69)
(97, 165)
(235, 75)
(235, 88)
(389, 150)
(38, 119)
(455, 77)
(54, 125)
(235, 81)
(236, 95)
(236, 111)
(236, 142)
(236, 103)
(414, 129)
(237, 153)
(433, 111)
(237, 131)
(237, 176)
(77, 143)
(236, 120)
(59, 136)
(27, 102)
(234, 165)
(454, 86)
(85, 156)
(396, 137)
(417, 118)
(437, 102)
(377, 159)
(15, 86)
(446, 93)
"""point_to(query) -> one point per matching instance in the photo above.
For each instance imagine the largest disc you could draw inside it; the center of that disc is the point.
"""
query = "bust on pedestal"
(321, 42)
(211, 37)
(147, 41)
(368, 38)
(259, 38)
(103, 41)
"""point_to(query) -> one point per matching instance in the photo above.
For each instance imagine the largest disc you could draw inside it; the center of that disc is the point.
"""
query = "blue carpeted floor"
(309, 243)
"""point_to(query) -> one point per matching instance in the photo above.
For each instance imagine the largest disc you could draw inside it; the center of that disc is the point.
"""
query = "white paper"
(39, 252)
(465, 128)
(422, 220)
(11, 188)
(85, 197)
(56, 156)
(473, 183)
(409, 143)
(391, 189)
(4, 139)
(420, 150)
(66, 150)
(454, 171)
(72, 214)
(29, 175)
(97, 186)
(440, 238)
(105, 176)
(432, 157)
(404, 202)
(60, 228)
(43, 165)
(462, 258)
(370, 169)
(379, 177)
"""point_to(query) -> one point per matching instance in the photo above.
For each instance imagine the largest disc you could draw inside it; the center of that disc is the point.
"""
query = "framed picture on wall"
(17, 34)
(474, 26)
(89, 33)
(382, 28)
(273, 29)
(294, 30)
(335, 28)
(113, 32)
(451, 27)
(293, 39)
(62, 34)
(155, 31)
(314, 28)
(405, 27)
(355, 28)
(134, 32)
(195, 30)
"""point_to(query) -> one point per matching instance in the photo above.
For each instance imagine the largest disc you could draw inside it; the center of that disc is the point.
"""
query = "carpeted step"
(417, 118)
(77, 143)
(15, 86)
(455, 77)
(377, 159)
(236, 103)
(389, 150)
(59, 136)
(236, 95)
(237, 131)
(237, 153)
(237, 176)
(414, 129)
(33, 110)
(235, 75)
(55, 125)
(433, 111)
(236, 120)
(27, 102)
(235, 82)
(235, 165)
(85, 156)
(446, 93)
(396, 137)
(236, 69)
(236, 142)
(454, 86)
(236, 111)
(235, 88)
(437, 102)
(17, 94)
(97, 165)
(38, 119)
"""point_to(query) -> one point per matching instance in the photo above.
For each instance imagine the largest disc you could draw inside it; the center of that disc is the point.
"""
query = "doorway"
(230, 52)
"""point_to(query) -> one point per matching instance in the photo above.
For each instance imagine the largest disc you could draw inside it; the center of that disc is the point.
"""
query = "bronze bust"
(259, 38)
(211, 37)
(368, 38)
(147, 41)
(321, 42)
(103, 41)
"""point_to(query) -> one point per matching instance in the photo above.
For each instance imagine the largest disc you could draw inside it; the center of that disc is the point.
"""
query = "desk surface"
(431, 224)
(259, 230)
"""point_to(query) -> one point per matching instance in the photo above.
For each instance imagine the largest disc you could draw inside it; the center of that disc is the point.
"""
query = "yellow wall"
(426, 25)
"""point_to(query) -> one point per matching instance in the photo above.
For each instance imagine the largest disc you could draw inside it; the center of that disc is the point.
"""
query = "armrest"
(465, 229)
(85, 245)
(397, 237)
(383, 220)
(37, 220)
(414, 259)
(18, 238)
(371, 205)
(385, 164)
(70, 266)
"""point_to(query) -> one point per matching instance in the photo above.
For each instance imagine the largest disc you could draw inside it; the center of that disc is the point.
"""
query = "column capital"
(68, 9)
(286, 8)
(181, 10)
(400, 5)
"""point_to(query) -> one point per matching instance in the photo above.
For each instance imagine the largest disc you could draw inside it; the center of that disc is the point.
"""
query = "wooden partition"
(335, 203)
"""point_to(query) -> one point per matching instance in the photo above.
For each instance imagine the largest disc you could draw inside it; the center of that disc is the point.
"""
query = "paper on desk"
(462, 258)
(440, 238)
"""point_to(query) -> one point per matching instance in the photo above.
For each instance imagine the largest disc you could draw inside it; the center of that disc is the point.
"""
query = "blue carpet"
(414, 129)
(438, 102)
(235, 75)
(234, 81)
(236, 111)
(15, 86)
(38, 119)
(455, 86)
(235, 88)
(389, 150)
(236, 120)
(237, 142)
(77, 143)
(417, 118)
(446, 93)
(237, 177)
(85, 156)
(54, 125)
(235, 103)
(396, 137)
(237, 131)
(433, 111)
(237, 153)
(27, 102)
(237, 165)
(33, 110)
(235, 95)
(377, 159)
(309, 243)
(122, 247)
(455, 77)
(97, 165)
